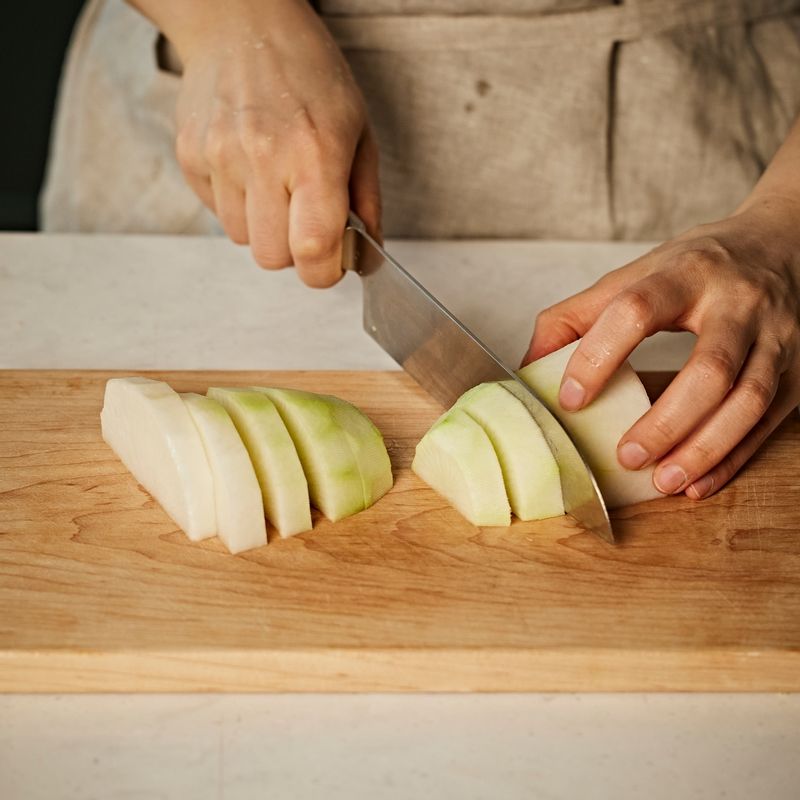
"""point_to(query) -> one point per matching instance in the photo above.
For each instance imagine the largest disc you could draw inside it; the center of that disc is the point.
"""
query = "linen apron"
(570, 119)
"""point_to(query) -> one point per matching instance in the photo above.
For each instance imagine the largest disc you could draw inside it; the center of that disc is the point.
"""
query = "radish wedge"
(456, 459)
(152, 432)
(597, 429)
(530, 472)
(342, 452)
(284, 490)
(240, 511)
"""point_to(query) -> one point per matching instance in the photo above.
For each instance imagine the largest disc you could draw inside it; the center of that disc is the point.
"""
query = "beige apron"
(548, 118)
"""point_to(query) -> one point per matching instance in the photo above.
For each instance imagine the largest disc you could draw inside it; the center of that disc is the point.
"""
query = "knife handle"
(354, 228)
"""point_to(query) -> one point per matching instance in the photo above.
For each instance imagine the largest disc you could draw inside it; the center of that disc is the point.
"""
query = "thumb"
(568, 320)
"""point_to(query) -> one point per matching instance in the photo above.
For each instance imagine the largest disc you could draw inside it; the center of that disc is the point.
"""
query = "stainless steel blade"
(446, 359)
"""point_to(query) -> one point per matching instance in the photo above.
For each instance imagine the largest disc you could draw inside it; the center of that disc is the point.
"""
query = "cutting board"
(100, 592)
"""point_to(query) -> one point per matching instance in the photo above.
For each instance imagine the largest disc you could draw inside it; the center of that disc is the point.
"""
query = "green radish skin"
(239, 505)
(597, 429)
(530, 472)
(148, 426)
(284, 489)
(342, 452)
(369, 449)
(457, 460)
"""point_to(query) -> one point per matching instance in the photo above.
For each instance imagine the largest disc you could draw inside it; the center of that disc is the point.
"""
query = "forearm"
(781, 179)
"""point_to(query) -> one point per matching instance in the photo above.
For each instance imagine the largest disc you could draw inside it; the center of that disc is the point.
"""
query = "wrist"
(202, 26)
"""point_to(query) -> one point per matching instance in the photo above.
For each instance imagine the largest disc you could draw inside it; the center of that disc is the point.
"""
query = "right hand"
(273, 135)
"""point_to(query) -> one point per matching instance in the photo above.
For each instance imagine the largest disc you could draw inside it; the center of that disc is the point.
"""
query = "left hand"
(736, 285)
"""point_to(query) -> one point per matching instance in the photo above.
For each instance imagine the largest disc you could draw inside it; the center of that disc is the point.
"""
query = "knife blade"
(447, 359)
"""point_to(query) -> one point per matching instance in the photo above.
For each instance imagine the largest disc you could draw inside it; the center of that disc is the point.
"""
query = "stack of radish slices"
(218, 464)
(488, 457)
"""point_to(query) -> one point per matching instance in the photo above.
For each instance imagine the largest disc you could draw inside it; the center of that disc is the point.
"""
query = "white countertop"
(183, 303)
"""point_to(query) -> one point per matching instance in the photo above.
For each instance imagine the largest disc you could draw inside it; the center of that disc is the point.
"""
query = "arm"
(272, 132)
(736, 285)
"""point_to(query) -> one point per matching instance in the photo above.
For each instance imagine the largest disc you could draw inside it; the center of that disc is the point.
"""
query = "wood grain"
(100, 592)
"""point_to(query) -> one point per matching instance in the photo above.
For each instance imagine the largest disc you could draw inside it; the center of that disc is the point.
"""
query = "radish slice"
(152, 432)
(456, 459)
(530, 472)
(284, 489)
(597, 429)
(240, 512)
(342, 452)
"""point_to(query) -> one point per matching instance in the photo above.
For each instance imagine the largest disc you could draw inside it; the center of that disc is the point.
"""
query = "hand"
(736, 285)
(273, 134)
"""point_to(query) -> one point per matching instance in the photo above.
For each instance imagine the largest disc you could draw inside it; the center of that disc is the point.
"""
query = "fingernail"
(700, 488)
(572, 395)
(669, 478)
(632, 455)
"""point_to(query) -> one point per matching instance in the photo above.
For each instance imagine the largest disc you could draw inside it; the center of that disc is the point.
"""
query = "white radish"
(530, 472)
(148, 426)
(284, 489)
(597, 429)
(342, 452)
(240, 511)
(456, 459)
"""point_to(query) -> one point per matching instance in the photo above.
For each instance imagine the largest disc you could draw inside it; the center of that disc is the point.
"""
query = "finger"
(365, 190)
(699, 388)
(317, 216)
(229, 202)
(748, 401)
(785, 403)
(568, 320)
(637, 312)
(267, 213)
(201, 186)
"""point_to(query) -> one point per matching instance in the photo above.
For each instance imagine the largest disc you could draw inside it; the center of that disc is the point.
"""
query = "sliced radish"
(456, 459)
(368, 447)
(342, 453)
(284, 489)
(597, 429)
(150, 429)
(530, 472)
(240, 510)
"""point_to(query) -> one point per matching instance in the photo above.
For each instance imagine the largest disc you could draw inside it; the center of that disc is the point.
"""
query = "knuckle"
(663, 428)
(718, 366)
(220, 148)
(757, 395)
(314, 247)
(256, 141)
(187, 151)
(704, 456)
(706, 252)
(636, 308)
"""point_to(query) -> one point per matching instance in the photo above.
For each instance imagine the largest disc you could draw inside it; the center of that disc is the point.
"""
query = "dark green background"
(33, 38)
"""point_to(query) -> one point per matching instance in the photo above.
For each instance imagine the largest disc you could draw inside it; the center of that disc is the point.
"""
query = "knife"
(447, 359)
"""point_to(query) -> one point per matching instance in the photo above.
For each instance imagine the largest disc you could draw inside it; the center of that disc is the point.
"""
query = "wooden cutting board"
(100, 592)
